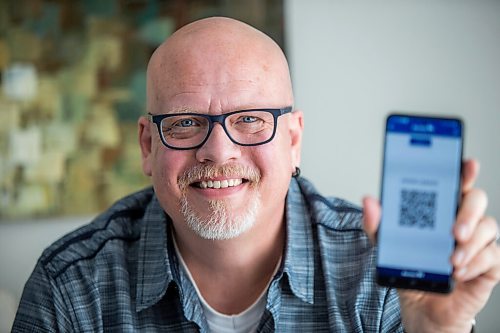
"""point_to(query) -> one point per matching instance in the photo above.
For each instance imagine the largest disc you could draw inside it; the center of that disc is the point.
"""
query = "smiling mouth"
(218, 184)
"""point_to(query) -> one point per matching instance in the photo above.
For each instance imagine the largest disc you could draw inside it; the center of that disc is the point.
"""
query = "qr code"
(418, 209)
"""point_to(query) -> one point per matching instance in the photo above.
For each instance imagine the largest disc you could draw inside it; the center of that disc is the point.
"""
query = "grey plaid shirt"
(120, 274)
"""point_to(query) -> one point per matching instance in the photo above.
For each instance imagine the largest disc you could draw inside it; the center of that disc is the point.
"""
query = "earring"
(296, 174)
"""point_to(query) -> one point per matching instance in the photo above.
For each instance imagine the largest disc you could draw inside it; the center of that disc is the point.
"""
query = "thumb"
(371, 217)
(470, 172)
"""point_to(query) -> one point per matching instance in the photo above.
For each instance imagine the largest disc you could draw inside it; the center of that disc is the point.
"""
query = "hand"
(476, 263)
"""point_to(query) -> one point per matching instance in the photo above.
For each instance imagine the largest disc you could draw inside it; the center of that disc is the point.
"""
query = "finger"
(470, 171)
(471, 210)
(371, 217)
(485, 233)
(486, 264)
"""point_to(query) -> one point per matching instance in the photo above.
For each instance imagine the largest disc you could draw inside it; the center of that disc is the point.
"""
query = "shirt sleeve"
(391, 316)
(41, 308)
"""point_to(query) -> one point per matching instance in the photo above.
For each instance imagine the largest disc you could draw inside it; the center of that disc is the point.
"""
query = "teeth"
(220, 183)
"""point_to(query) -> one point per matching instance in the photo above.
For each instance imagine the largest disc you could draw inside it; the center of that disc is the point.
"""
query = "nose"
(218, 148)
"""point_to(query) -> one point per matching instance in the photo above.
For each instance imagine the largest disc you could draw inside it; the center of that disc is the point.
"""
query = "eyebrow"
(173, 111)
(185, 109)
(181, 110)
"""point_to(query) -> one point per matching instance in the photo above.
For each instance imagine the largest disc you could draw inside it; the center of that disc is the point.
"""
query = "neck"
(221, 268)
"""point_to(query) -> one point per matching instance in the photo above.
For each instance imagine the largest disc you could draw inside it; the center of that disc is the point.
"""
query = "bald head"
(216, 65)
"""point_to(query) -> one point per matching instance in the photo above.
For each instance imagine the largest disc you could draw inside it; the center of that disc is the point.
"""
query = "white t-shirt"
(244, 322)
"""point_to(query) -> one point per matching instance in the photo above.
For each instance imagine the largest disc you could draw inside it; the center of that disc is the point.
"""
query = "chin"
(218, 220)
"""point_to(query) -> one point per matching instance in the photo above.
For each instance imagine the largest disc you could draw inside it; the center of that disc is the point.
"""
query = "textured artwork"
(72, 88)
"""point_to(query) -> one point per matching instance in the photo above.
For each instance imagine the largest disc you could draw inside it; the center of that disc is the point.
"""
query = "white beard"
(220, 223)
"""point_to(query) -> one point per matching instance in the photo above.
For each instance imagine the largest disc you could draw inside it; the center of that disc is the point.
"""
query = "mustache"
(201, 171)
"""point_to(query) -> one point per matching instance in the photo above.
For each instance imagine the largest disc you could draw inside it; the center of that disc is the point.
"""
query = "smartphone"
(420, 194)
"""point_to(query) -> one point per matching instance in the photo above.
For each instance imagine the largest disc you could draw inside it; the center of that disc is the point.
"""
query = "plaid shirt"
(120, 274)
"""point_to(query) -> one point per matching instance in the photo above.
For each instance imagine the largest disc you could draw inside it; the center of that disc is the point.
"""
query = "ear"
(296, 129)
(145, 141)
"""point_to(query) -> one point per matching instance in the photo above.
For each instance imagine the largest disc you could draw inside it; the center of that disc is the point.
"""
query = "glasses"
(191, 130)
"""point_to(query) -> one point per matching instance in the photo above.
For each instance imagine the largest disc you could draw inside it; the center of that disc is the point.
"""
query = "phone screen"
(420, 195)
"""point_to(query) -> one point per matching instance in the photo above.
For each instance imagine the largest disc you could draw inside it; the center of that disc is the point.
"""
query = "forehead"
(217, 89)
(216, 77)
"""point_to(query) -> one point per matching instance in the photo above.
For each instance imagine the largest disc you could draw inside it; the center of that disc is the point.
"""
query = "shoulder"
(120, 222)
(331, 212)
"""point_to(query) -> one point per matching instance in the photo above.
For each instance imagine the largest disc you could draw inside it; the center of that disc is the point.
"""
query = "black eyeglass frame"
(221, 119)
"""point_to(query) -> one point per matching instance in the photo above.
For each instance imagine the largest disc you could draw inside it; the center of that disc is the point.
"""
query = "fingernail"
(463, 231)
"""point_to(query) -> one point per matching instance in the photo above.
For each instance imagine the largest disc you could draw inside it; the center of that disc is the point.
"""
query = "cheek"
(280, 155)
(167, 165)
(274, 162)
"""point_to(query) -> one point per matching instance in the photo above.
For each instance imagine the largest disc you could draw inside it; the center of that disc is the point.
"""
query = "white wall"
(354, 61)
(21, 244)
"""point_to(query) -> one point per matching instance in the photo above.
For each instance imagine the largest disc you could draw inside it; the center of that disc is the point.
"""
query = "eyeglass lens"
(246, 127)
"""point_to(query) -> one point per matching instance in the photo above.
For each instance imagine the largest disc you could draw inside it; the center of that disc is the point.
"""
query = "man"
(228, 240)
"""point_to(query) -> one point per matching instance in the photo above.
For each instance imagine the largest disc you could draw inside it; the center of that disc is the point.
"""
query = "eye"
(248, 119)
(186, 122)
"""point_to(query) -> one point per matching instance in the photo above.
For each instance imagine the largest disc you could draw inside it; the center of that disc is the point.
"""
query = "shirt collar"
(299, 253)
(155, 270)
